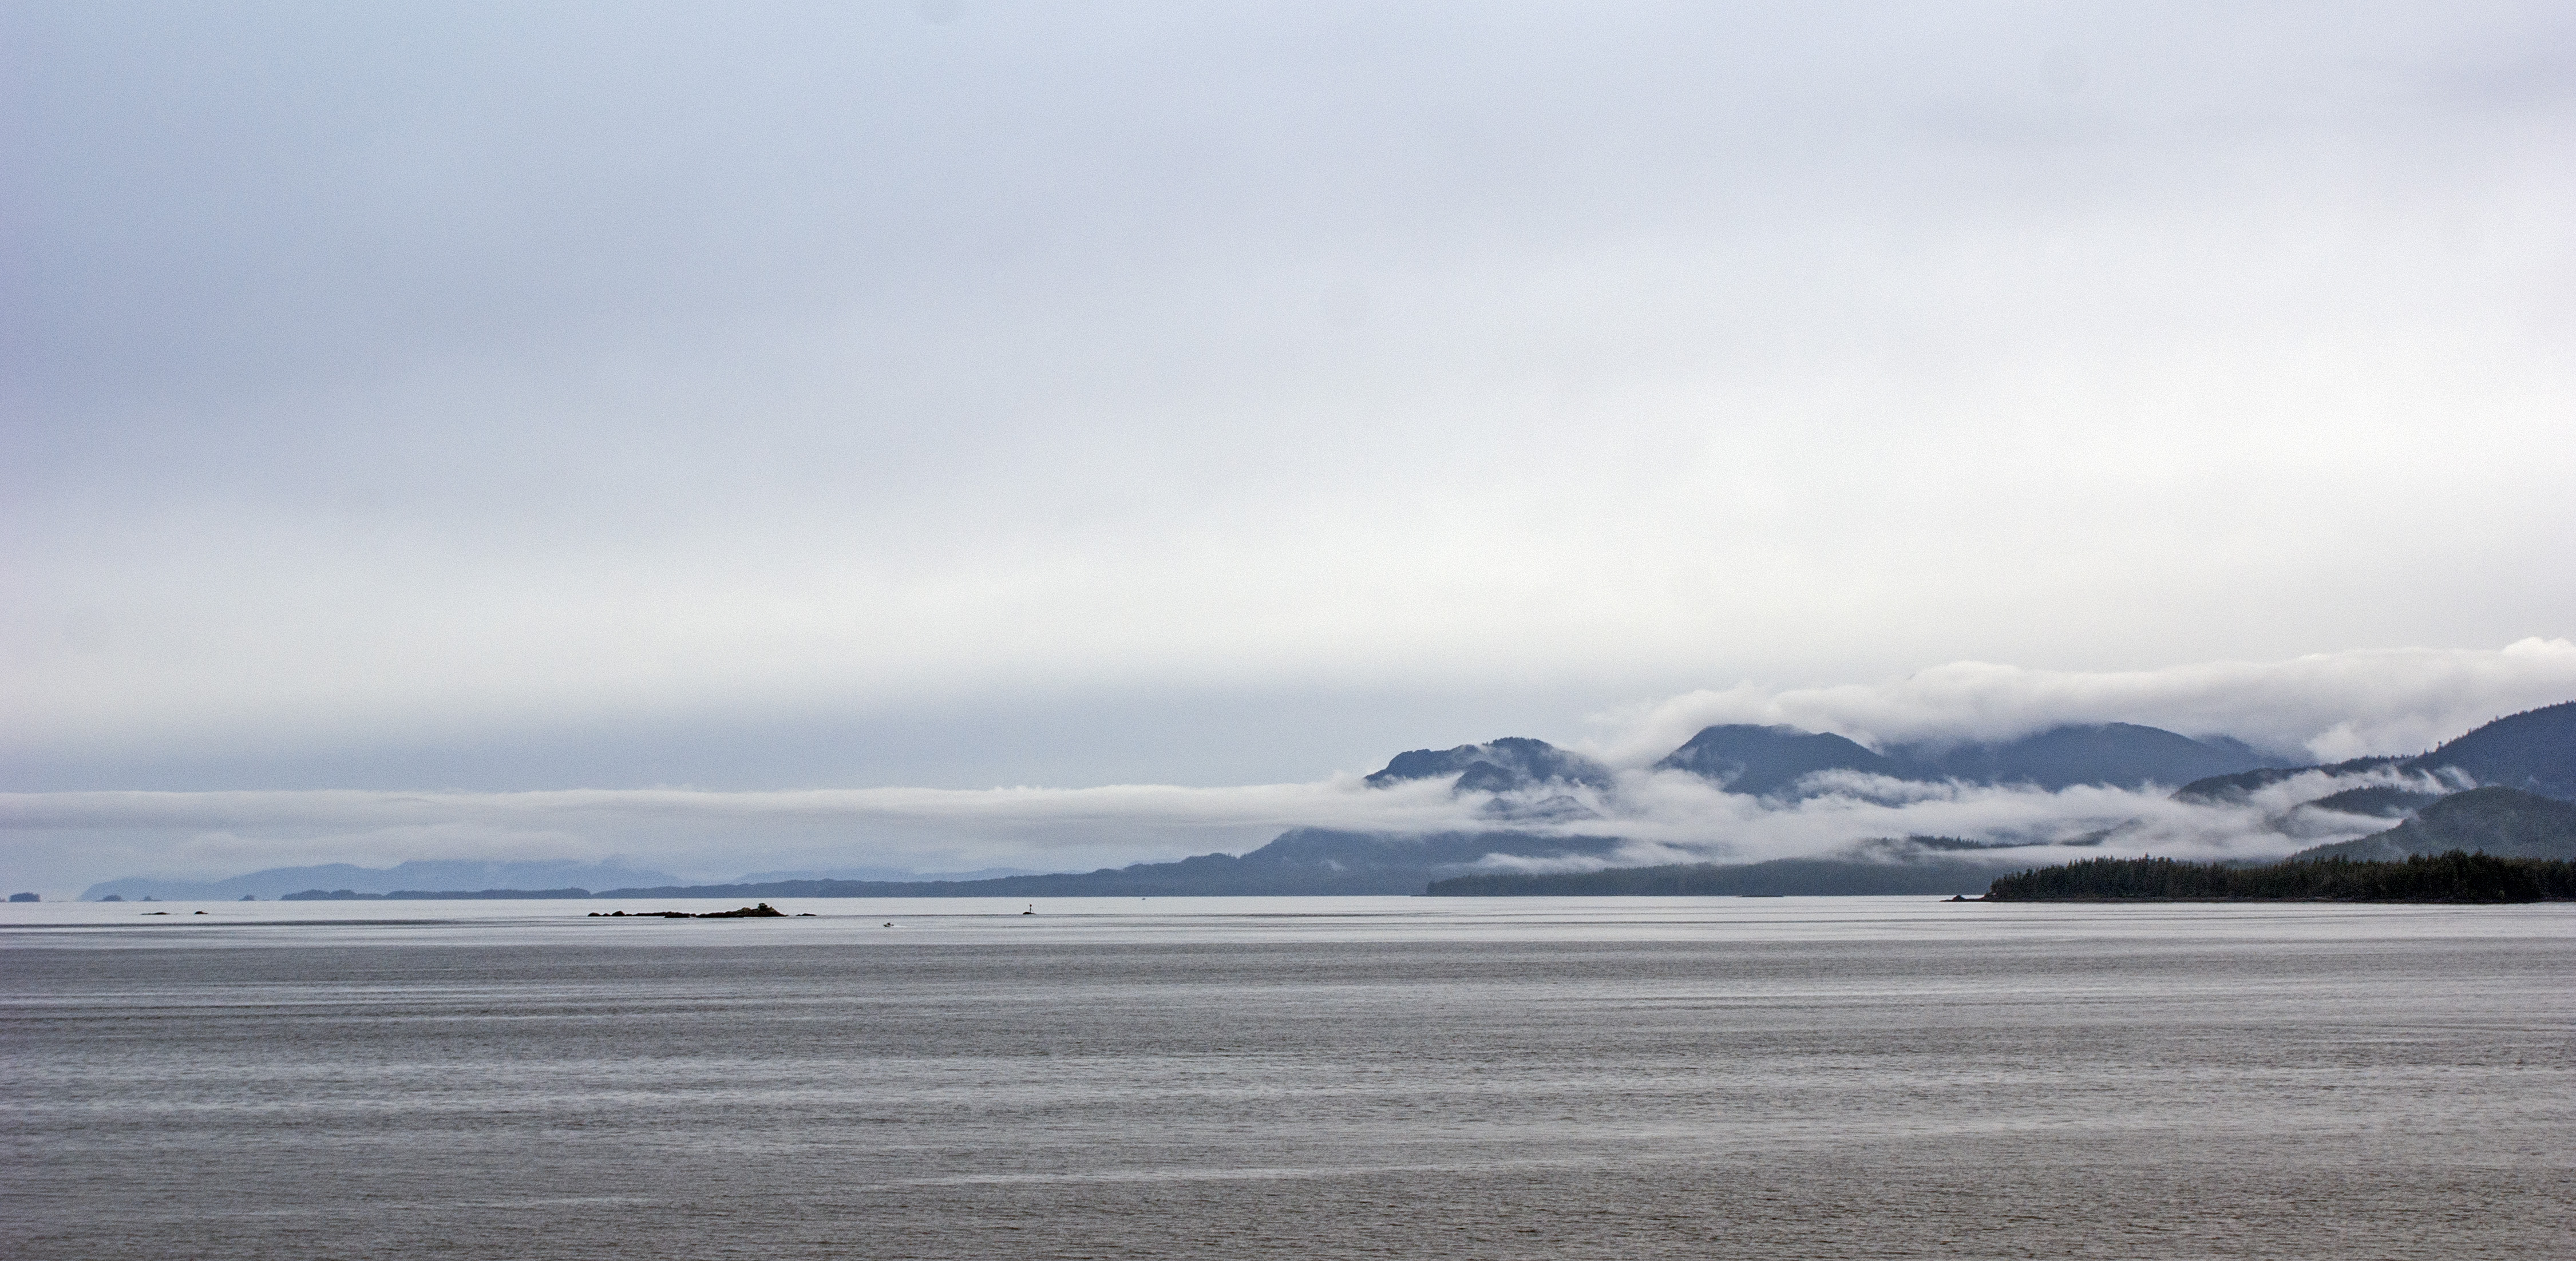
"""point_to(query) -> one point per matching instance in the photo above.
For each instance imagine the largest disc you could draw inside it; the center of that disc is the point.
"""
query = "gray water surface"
(1850, 1077)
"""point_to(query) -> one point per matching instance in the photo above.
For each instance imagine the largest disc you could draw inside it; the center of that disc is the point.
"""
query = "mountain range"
(419, 874)
(1750, 759)
(2533, 751)
(2522, 769)
(469, 876)
(1778, 761)
(2504, 822)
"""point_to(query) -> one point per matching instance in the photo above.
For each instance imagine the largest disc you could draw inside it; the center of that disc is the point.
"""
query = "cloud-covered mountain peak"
(2124, 754)
(2534, 751)
(1510, 764)
(1761, 760)
(1768, 760)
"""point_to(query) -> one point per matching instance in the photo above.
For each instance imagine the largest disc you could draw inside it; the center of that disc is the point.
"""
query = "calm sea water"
(1794, 1078)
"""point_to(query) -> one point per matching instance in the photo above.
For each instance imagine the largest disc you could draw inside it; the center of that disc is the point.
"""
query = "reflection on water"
(1292, 1077)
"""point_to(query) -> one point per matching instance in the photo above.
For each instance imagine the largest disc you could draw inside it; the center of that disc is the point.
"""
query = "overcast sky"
(964, 394)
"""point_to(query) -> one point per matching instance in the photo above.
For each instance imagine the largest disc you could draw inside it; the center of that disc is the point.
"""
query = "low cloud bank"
(66, 840)
(59, 840)
(2324, 707)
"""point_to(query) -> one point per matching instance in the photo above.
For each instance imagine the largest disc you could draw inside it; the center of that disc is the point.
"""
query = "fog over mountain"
(2100, 788)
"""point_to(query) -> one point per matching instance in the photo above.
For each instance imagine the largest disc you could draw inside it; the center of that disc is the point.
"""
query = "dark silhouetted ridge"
(428, 895)
(2118, 754)
(1767, 761)
(2242, 784)
(2504, 822)
(1759, 761)
(1509, 764)
(2534, 751)
(2381, 800)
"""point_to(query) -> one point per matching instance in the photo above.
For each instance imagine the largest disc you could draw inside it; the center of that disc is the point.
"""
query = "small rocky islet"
(762, 911)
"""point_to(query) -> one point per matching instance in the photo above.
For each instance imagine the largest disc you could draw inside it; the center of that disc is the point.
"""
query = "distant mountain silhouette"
(876, 873)
(1302, 861)
(433, 895)
(2381, 800)
(2243, 784)
(1765, 761)
(1760, 761)
(1772, 760)
(420, 874)
(1510, 764)
(2529, 757)
(2504, 822)
(2118, 754)
(2534, 751)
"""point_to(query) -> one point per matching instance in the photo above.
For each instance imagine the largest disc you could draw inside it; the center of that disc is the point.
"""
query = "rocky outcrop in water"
(762, 911)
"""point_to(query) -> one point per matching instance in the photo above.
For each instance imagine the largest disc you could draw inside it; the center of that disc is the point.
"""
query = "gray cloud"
(2323, 707)
(418, 380)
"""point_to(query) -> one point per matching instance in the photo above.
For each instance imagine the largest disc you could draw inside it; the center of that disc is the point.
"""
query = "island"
(762, 911)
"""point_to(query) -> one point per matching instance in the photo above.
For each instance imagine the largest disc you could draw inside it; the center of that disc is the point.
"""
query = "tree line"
(2456, 876)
